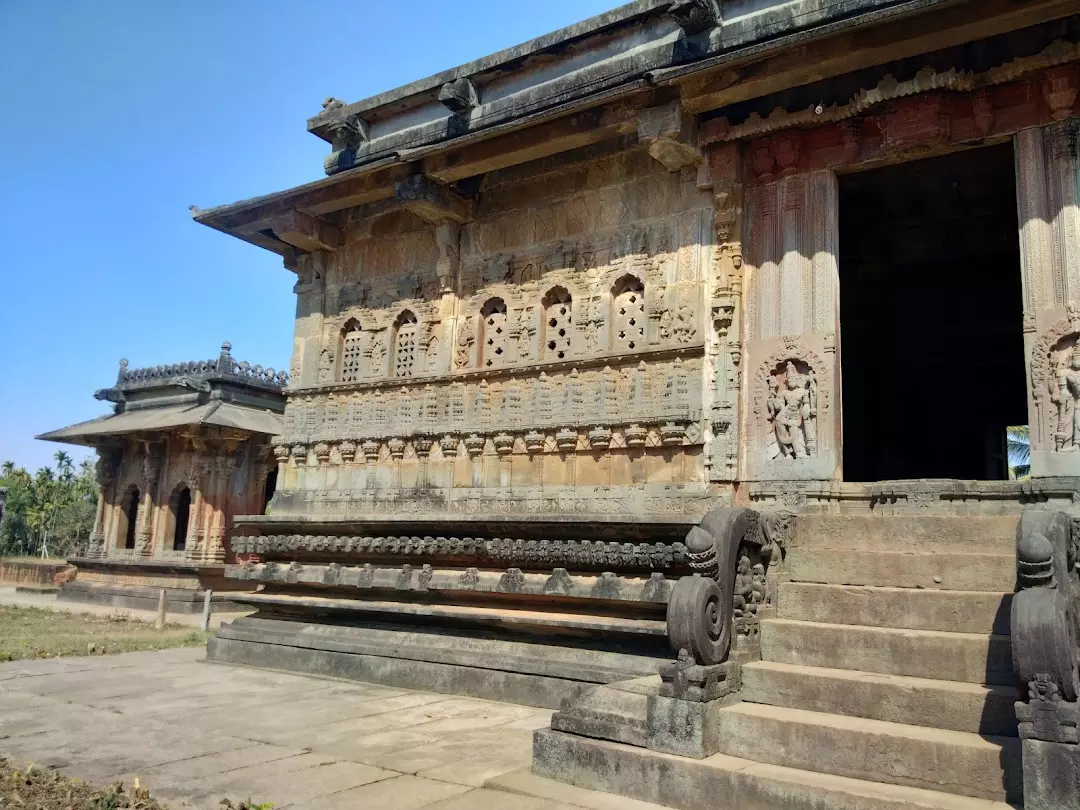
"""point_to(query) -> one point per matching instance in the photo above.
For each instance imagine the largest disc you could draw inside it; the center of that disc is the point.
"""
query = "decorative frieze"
(571, 554)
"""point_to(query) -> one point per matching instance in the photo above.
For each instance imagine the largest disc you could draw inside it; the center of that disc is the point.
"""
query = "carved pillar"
(1047, 170)
(722, 173)
(791, 395)
(219, 511)
(153, 458)
(200, 476)
(105, 470)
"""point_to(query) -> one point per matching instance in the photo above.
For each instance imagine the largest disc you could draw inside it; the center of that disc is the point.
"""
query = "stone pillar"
(1048, 191)
(106, 468)
(200, 477)
(791, 381)
(219, 511)
(153, 459)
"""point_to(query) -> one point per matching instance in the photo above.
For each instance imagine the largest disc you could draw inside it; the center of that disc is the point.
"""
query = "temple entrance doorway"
(931, 348)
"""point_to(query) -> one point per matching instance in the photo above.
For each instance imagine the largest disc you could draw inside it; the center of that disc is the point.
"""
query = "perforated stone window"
(558, 317)
(493, 334)
(628, 321)
(351, 353)
(405, 345)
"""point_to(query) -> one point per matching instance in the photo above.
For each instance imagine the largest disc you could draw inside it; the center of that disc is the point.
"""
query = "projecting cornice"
(602, 79)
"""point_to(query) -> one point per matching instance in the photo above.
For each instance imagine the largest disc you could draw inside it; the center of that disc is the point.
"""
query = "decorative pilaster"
(791, 396)
(1048, 192)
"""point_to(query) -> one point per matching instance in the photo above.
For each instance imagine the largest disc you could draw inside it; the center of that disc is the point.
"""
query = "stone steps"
(859, 748)
(903, 569)
(903, 608)
(948, 534)
(721, 780)
(935, 654)
(968, 707)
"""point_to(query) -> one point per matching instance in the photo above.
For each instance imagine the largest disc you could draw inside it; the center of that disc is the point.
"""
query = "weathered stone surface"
(902, 608)
(966, 657)
(970, 707)
(1051, 774)
(979, 572)
(916, 756)
(693, 784)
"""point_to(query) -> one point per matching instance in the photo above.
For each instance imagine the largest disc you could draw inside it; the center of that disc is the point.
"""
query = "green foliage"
(50, 513)
(1018, 443)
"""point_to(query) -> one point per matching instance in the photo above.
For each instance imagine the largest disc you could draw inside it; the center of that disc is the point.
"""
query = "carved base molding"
(574, 554)
(925, 496)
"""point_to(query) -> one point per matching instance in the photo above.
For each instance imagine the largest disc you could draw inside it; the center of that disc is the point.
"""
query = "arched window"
(493, 333)
(557, 320)
(628, 317)
(180, 508)
(405, 344)
(130, 508)
(351, 352)
(269, 488)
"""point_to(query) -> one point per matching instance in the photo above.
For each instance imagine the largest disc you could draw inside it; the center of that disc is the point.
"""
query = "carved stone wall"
(554, 344)
(1048, 190)
(791, 393)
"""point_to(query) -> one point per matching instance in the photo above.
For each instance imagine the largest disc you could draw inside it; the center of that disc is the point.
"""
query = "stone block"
(683, 727)
(1051, 775)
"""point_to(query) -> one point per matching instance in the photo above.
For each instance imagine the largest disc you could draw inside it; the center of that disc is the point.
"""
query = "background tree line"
(49, 513)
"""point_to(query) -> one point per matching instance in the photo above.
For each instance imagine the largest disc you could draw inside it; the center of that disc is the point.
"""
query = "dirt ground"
(36, 633)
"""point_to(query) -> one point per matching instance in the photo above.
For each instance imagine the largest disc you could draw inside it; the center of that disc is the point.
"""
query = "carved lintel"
(695, 16)
(430, 201)
(459, 96)
(307, 233)
(670, 135)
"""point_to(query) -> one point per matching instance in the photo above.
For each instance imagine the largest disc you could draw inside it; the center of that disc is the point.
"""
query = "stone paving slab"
(195, 733)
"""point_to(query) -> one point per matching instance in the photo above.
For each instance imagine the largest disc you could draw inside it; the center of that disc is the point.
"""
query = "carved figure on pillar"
(1065, 396)
(792, 409)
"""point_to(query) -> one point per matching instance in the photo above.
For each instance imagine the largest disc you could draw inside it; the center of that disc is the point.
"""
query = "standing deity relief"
(790, 401)
(1055, 379)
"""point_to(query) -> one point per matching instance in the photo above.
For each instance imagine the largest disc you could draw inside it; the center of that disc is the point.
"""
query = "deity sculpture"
(744, 587)
(1065, 393)
(792, 408)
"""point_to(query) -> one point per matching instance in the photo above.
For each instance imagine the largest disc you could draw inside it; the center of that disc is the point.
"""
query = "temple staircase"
(885, 680)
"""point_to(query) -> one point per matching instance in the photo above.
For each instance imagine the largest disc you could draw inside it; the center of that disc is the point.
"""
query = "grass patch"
(27, 632)
(43, 789)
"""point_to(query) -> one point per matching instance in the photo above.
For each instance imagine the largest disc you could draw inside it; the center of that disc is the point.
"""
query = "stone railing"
(223, 366)
(1045, 631)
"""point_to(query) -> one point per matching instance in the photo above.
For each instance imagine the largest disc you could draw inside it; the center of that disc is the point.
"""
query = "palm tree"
(1018, 443)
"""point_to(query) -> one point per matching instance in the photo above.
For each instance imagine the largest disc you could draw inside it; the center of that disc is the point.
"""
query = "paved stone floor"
(196, 732)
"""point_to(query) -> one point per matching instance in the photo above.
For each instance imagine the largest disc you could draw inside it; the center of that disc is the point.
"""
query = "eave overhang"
(611, 66)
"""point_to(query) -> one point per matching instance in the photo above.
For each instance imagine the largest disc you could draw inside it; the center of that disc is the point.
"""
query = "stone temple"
(188, 446)
(659, 370)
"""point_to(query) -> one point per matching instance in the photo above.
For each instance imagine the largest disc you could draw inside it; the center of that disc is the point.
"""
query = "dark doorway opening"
(131, 513)
(180, 517)
(269, 489)
(932, 351)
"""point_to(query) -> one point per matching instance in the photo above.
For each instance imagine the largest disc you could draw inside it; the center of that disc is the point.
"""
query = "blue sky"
(116, 115)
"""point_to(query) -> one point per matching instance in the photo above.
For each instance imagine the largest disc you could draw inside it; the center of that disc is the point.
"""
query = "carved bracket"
(730, 551)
